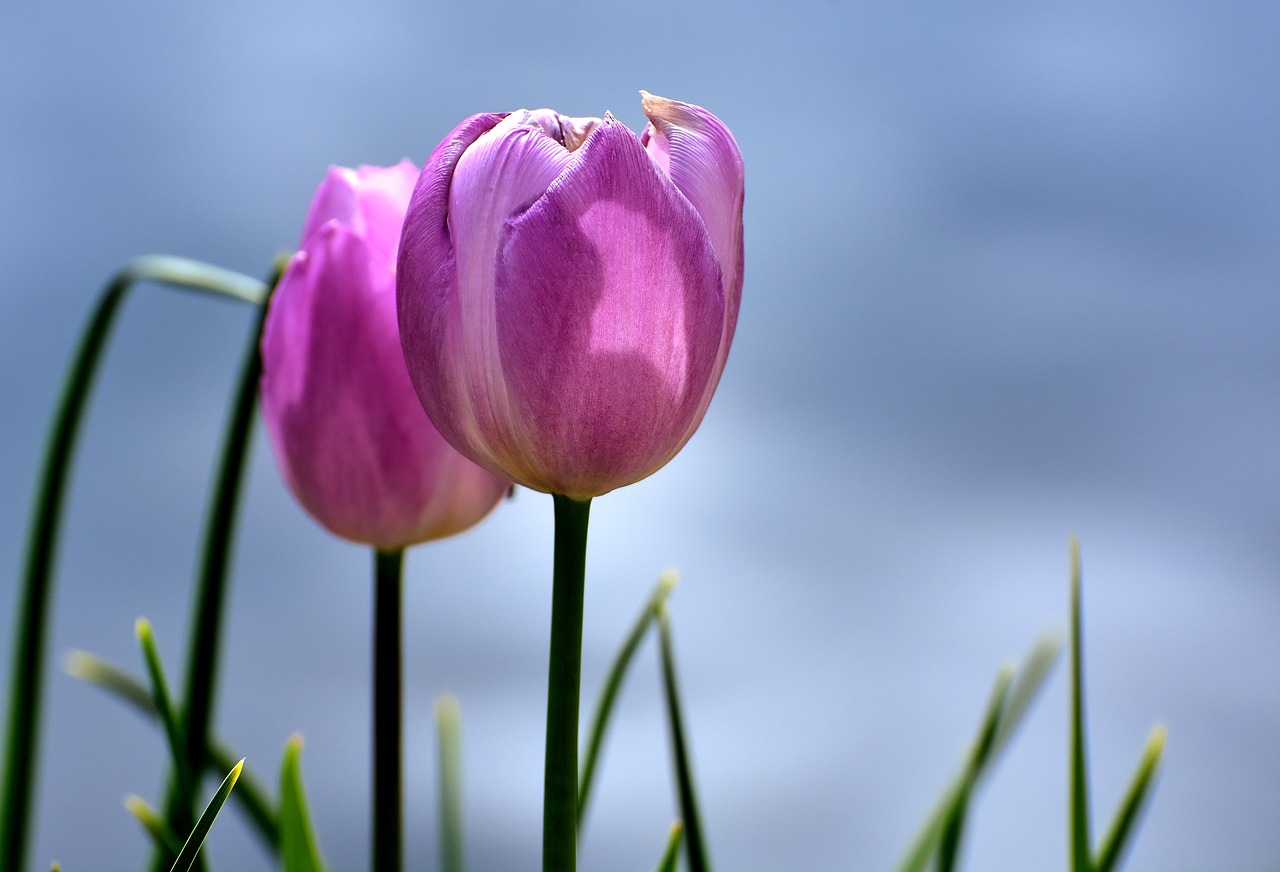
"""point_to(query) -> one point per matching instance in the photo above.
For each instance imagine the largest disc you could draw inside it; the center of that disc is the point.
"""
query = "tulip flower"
(568, 290)
(348, 432)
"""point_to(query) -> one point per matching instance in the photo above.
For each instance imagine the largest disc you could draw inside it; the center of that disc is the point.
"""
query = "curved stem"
(210, 595)
(32, 615)
(560, 784)
(388, 826)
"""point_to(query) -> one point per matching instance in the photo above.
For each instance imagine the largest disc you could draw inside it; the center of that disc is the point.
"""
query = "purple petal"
(447, 271)
(426, 293)
(350, 437)
(370, 200)
(610, 311)
(702, 158)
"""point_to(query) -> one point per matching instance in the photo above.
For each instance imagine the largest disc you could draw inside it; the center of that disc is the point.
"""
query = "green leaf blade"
(1135, 799)
(695, 846)
(449, 737)
(671, 853)
(190, 850)
(1081, 853)
(613, 685)
(298, 849)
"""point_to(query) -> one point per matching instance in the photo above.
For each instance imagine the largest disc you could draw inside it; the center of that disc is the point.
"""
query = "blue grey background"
(1011, 275)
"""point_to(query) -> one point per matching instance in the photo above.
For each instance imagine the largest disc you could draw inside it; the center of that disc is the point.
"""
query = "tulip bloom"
(568, 291)
(348, 432)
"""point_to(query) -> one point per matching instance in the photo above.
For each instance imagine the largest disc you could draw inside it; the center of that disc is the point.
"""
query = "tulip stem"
(560, 786)
(388, 836)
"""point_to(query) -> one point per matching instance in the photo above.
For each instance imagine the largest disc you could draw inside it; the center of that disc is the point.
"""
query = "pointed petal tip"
(668, 110)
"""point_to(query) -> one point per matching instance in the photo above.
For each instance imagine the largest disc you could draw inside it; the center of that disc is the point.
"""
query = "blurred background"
(1012, 275)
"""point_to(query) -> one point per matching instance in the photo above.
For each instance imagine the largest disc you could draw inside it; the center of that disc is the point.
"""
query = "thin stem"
(32, 615)
(560, 783)
(388, 836)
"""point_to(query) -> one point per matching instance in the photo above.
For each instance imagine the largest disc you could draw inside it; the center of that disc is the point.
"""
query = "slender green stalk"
(691, 818)
(1081, 853)
(388, 791)
(560, 782)
(613, 684)
(31, 618)
(449, 733)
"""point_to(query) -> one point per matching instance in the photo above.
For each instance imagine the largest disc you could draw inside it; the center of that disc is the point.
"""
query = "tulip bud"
(568, 291)
(346, 427)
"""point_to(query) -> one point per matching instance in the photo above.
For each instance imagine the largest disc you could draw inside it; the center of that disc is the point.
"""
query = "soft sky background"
(1012, 274)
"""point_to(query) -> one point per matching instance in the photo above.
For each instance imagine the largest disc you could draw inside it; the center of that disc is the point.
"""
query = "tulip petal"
(342, 412)
(609, 314)
(702, 158)
(370, 200)
(507, 163)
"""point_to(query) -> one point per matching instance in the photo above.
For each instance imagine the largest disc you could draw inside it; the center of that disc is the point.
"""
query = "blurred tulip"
(568, 291)
(348, 432)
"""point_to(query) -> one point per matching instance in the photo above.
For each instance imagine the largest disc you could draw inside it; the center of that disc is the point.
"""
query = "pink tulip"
(568, 291)
(348, 432)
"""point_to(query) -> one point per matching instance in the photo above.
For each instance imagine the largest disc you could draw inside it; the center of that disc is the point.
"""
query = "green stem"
(560, 784)
(388, 836)
(32, 615)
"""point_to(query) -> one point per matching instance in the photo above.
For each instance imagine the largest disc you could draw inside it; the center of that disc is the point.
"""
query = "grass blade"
(112, 679)
(250, 794)
(1010, 698)
(694, 844)
(951, 807)
(187, 857)
(161, 834)
(215, 561)
(1113, 846)
(672, 852)
(1081, 853)
(298, 850)
(32, 615)
(160, 700)
(1026, 687)
(449, 734)
(613, 684)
